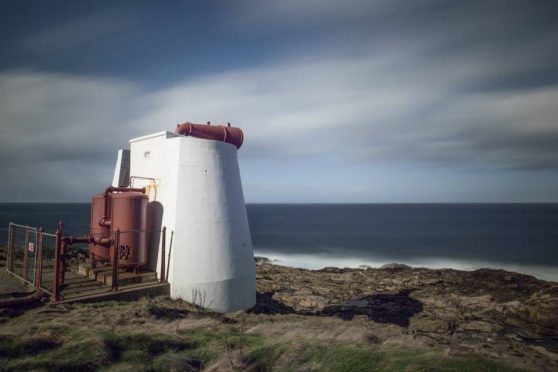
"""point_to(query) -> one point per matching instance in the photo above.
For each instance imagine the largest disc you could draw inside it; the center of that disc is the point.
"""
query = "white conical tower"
(196, 192)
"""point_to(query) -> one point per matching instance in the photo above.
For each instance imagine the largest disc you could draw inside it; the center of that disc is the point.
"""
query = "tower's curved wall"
(212, 263)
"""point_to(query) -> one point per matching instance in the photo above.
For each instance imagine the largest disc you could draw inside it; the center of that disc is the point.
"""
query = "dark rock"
(261, 260)
(265, 304)
(395, 266)
(166, 312)
(381, 308)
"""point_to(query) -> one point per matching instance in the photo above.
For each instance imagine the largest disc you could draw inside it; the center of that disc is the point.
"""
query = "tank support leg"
(115, 254)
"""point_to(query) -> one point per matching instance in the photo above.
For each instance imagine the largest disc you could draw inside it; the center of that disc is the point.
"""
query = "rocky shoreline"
(498, 314)
(391, 318)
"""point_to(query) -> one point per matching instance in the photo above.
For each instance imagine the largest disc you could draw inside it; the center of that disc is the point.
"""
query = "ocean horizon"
(520, 237)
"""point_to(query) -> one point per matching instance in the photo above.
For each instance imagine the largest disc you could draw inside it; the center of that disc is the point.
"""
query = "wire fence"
(41, 259)
(30, 256)
(23, 252)
(45, 263)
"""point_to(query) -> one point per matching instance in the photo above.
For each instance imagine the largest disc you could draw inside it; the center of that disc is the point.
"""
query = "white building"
(195, 191)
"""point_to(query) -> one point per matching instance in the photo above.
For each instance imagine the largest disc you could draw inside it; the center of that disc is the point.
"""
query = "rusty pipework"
(221, 133)
(69, 240)
(66, 241)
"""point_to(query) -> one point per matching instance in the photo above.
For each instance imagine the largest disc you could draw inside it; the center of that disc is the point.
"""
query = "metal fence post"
(11, 242)
(39, 259)
(115, 254)
(56, 274)
(63, 249)
(26, 254)
(163, 277)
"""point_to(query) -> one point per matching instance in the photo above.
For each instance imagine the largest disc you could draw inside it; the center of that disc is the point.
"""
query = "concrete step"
(128, 293)
(92, 273)
(125, 278)
(103, 274)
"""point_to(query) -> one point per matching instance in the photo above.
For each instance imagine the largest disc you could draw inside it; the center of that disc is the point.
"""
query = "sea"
(515, 237)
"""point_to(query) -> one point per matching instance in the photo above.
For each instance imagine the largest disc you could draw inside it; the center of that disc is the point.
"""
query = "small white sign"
(31, 247)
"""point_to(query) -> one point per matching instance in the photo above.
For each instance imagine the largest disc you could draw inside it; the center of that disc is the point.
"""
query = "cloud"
(95, 27)
(361, 83)
(360, 111)
(342, 108)
(59, 130)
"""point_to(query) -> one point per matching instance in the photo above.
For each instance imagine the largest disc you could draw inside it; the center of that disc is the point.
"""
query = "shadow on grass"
(381, 308)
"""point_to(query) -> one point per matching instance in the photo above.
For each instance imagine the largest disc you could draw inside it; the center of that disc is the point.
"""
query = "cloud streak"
(358, 86)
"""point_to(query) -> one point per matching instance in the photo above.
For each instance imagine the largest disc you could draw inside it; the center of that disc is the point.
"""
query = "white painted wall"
(197, 183)
(122, 169)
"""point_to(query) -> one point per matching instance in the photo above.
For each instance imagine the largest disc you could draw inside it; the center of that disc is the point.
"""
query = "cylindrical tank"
(129, 215)
(227, 134)
(99, 252)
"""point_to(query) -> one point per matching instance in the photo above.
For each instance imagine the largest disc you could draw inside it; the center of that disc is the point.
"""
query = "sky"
(355, 101)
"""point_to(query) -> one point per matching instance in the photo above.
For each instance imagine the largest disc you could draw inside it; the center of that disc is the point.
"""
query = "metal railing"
(41, 259)
(122, 240)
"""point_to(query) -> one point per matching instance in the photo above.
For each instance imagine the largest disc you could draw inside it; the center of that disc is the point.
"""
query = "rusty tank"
(129, 216)
(97, 251)
(123, 210)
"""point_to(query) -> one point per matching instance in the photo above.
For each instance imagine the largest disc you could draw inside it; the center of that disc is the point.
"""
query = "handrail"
(163, 278)
(24, 226)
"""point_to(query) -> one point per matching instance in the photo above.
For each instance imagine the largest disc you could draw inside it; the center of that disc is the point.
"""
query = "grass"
(165, 335)
(202, 348)
(327, 357)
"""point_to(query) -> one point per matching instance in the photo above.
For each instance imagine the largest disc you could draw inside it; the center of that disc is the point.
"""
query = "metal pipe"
(88, 238)
(104, 222)
(78, 239)
(63, 260)
(222, 133)
(162, 277)
(102, 241)
(62, 256)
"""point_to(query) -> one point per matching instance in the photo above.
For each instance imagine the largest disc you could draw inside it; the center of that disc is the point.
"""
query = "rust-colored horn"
(222, 133)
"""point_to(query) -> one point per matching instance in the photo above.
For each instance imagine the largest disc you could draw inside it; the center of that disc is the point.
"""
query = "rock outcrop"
(496, 313)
